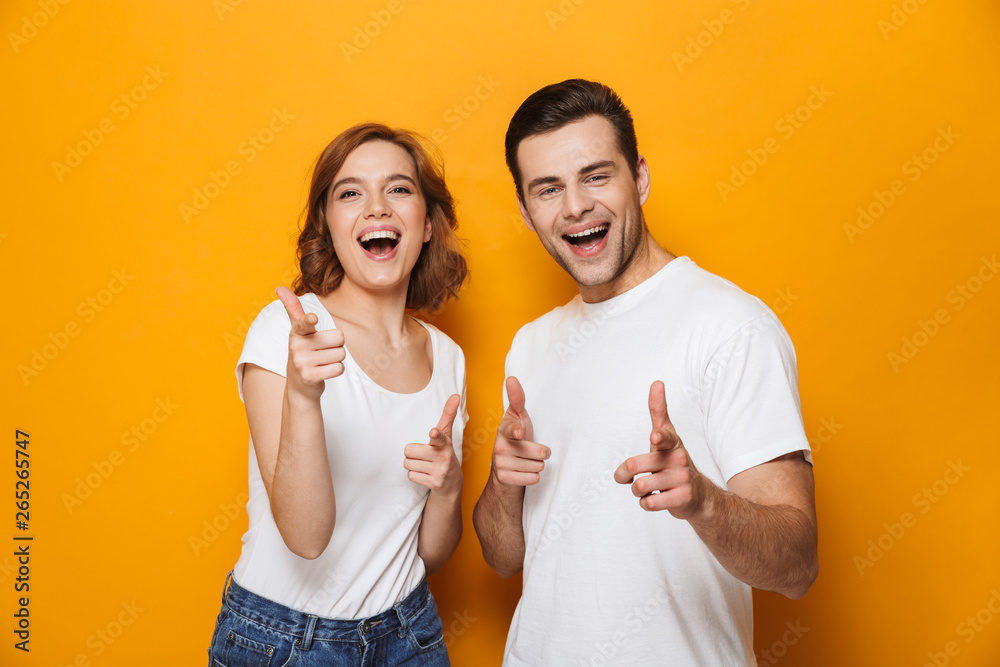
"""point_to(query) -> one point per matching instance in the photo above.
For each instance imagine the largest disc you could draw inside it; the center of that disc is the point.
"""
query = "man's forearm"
(497, 519)
(771, 547)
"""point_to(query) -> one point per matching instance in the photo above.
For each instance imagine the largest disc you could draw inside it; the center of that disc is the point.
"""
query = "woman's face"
(377, 216)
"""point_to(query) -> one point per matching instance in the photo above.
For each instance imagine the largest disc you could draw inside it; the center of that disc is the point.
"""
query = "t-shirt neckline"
(364, 377)
(628, 298)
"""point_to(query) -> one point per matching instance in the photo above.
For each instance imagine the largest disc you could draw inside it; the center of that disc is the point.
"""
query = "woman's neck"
(381, 313)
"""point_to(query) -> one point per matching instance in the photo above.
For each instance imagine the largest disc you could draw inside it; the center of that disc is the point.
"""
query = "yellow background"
(170, 328)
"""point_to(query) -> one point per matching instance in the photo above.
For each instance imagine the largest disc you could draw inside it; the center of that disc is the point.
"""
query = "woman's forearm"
(302, 496)
(440, 529)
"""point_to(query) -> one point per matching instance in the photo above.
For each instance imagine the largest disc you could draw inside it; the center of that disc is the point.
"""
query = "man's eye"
(597, 177)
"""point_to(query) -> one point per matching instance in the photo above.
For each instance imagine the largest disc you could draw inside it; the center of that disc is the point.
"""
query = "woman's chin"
(387, 282)
(380, 273)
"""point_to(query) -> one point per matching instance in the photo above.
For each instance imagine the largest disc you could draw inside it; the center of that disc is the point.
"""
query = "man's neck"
(648, 259)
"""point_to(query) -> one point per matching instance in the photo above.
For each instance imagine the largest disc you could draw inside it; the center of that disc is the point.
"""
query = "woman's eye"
(347, 194)
(400, 190)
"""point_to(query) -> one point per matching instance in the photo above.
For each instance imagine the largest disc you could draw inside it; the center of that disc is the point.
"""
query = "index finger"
(510, 427)
(658, 405)
(663, 435)
(302, 323)
(447, 417)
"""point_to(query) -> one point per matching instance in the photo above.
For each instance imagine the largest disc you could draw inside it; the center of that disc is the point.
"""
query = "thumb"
(302, 323)
(447, 417)
(515, 396)
(512, 426)
(663, 435)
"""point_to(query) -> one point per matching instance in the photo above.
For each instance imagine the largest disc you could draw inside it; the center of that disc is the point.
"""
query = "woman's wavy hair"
(440, 269)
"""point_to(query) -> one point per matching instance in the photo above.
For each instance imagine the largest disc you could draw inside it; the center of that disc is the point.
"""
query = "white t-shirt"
(371, 562)
(606, 582)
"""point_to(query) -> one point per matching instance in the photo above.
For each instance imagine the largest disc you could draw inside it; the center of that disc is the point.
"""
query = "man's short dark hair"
(559, 104)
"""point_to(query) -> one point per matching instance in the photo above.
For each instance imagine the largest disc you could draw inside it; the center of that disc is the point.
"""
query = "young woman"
(356, 413)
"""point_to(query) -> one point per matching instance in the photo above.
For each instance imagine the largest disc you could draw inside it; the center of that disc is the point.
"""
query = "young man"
(640, 532)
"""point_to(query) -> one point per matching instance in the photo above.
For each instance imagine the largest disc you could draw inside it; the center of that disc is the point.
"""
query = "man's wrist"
(498, 486)
(711, 499)
(510, 496)
(506, 490)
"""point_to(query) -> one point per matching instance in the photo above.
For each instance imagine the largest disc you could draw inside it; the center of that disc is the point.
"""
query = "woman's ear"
(427, 229)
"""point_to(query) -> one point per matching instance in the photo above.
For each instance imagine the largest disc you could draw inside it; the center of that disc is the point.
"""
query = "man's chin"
(590, 276)
(589, 272)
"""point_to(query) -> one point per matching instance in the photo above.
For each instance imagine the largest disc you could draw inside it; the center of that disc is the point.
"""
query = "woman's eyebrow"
(352, 180)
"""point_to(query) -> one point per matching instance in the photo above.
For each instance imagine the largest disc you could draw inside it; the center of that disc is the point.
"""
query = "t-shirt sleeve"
(266, 343)
(511, 364)
(751, 401)
(505, 401)
(462, 417)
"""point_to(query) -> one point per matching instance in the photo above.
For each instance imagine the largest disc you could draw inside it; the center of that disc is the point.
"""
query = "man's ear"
(524, 213)
(642, 183)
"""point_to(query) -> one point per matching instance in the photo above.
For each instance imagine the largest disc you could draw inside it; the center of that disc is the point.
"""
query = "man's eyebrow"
(542, 180)
(351, 180)
(603, 164)
(595, 166)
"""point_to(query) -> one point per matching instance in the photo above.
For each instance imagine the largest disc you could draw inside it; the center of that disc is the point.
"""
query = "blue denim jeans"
(253, 631)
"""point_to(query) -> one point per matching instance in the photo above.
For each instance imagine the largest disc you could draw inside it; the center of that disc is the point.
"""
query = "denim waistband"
(309, 627)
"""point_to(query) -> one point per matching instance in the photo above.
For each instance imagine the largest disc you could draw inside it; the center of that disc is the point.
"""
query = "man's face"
(581, 200)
